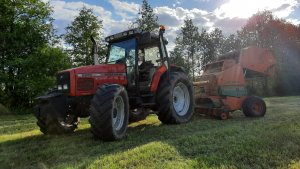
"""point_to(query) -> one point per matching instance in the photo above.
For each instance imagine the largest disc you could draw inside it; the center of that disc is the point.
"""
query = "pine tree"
(146, 20)
(210, 45)
(78, 35)
(187, 47)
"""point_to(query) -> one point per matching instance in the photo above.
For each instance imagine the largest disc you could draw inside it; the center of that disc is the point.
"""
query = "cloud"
(229, 17)
(245, 9)
(125, 6)
(230, 25)
(65, 12)
(173, 19)
(294, 21)
(68, 10)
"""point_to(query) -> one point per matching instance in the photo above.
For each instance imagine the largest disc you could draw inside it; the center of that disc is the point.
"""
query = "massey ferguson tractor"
(222, 87)
(137, 78)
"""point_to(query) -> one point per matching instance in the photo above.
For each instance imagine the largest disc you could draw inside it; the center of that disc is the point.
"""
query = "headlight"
(65, 87)
(59, 87)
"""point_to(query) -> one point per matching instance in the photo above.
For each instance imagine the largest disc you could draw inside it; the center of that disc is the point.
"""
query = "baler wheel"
(254, 106)
(109, 112)
(223, 115)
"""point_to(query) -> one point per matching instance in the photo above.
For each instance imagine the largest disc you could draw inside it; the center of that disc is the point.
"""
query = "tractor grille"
(84, 84)
(63, 81)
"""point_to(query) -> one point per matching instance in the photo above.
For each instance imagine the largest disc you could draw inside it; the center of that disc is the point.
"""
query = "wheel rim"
(257, 107)
(224, 116)
(118, 113)
(68, 121)
(181, 99)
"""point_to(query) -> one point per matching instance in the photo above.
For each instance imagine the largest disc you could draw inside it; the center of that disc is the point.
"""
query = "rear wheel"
(175, 99)
(254, 106)
(109, 113)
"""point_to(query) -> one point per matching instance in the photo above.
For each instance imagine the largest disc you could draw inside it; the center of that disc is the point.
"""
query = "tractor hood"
(102, 68)
(86, 79)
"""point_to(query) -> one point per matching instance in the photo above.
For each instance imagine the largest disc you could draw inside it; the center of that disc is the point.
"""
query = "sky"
(228, 15)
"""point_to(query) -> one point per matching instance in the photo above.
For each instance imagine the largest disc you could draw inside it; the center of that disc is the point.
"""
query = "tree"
(78, 35)
(146, 20)
(187, 47)
(27, 62)
(230, 43)
(210, 45)
(282, 38)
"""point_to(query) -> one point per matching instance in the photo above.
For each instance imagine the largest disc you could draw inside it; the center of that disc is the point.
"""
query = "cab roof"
(145, 36)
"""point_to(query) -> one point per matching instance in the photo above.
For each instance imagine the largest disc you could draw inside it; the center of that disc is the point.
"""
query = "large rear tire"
(254, 106)
(175, 99)
(109, 112)
(52, 120)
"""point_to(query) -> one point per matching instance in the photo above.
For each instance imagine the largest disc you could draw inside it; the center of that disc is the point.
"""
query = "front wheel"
(52, 117)
(175, 99)
(254, 106)
(109, 112)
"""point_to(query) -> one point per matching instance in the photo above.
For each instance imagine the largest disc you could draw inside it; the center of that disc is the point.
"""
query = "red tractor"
(137, 78)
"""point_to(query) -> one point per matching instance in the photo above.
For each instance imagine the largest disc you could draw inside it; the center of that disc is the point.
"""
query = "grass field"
(240, 142)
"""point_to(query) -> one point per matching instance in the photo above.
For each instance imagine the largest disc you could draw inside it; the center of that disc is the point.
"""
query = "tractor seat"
(144, 70)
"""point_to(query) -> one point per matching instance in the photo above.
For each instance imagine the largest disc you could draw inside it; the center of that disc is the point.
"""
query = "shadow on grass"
(238, 142)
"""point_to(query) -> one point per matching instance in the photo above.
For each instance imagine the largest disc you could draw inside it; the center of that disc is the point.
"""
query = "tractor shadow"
(236, 142)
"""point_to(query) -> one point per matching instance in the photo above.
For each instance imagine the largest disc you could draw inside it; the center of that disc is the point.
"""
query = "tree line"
(194, 49)
(30, 54)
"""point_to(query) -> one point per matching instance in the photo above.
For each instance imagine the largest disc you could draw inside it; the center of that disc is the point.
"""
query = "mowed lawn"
(239, 142)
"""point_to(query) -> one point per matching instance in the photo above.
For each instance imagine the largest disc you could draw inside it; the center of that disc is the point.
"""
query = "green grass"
(239, 142)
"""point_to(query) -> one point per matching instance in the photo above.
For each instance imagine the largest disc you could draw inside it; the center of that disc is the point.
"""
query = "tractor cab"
(142, 53)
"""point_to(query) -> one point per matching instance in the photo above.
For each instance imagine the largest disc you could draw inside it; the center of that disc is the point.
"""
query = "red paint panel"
(104, 73)
(154, 84)
(72, 83)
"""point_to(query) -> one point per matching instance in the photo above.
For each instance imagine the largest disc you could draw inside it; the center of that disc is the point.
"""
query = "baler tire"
(254, 106)
(109, 112)
(170, 91)
(52, 124)
(223, 116)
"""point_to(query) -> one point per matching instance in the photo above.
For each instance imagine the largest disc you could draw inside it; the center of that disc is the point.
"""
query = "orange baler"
(222, 86)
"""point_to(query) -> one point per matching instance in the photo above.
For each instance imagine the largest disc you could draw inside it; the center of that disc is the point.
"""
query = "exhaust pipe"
(95, 51)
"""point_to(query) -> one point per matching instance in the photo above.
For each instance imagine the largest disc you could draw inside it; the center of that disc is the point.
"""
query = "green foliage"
(187, 47)
(4, 110)
(230, 43)
(193, 50)
(27, 63)
(78, 36)
(146, 20)
(210, 44)
(239, 142)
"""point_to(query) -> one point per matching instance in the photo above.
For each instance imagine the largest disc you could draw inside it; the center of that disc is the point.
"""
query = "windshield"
(120, 50)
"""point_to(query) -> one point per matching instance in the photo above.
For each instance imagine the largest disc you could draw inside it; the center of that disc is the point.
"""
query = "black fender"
(175, 68)
(52, 104)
